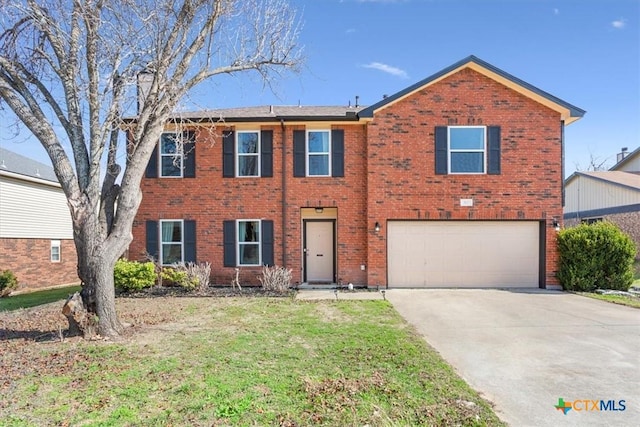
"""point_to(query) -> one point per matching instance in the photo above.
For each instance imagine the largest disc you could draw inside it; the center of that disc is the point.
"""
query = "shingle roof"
(274, 113)
(626, 179)
(15, 163)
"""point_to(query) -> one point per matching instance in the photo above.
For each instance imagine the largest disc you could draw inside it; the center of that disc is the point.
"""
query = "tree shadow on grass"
(34, 335)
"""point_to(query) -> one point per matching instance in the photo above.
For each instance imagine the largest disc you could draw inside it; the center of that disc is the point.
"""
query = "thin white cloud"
(389, 69)
(619, 24)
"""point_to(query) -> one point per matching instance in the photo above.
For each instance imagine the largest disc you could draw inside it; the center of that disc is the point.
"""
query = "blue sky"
(586, 52)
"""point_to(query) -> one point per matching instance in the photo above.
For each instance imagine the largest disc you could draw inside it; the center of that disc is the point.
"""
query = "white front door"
(319, 251)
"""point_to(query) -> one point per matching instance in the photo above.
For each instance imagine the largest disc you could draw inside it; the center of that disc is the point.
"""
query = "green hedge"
(595, 256)
(133, 276)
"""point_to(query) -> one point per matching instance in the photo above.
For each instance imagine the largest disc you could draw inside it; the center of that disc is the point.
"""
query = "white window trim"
(162, 242)
(307, 154)
(238, 155)
(238, 243)
(467, 150)
(55, 244)
(180, 155)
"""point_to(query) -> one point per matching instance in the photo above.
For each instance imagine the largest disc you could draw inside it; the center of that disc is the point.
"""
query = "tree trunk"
(96, 260)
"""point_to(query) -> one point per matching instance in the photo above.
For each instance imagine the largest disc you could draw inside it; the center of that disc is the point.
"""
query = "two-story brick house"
(455, 181)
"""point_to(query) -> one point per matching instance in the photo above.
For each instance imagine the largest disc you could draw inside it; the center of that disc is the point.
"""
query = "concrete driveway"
(525, 349)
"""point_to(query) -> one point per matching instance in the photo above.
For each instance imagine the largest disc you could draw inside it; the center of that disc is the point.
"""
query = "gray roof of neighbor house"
(626, 159)
(15, 163)
(273, 113)
(625, 179)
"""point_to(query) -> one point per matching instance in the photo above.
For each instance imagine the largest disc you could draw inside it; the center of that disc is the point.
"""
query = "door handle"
(319, 254)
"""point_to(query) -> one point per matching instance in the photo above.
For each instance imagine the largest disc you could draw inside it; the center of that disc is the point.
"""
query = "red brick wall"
(389, 174)
(402, 179)
(30, 261)
(210, 199)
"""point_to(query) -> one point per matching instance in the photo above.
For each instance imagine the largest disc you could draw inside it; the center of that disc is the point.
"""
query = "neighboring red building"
(455, 181)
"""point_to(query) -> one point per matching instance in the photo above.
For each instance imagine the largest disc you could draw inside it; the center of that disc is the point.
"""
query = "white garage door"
(473, 254)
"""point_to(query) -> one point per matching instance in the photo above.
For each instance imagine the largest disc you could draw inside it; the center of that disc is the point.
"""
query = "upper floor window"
(248, 153)
(467, 149)
(318, 153)
(170, 155)
(174, 157)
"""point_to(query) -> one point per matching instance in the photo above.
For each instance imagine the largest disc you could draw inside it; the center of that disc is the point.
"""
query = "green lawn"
(36, 298)
(617, 299)
(250, 361)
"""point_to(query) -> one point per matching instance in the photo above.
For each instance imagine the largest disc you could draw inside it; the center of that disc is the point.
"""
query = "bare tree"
(596, 164)
(66, 70)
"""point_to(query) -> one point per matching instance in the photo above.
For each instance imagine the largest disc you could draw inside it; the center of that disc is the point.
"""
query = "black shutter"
(152, 238)
(441, 150)
(299, 141)
(493, 145)
(337, 152)
(189, 150)
(267, 243)
(229, 242)
(152, 166)
(266, 153)
(228, 154)
(189, 241)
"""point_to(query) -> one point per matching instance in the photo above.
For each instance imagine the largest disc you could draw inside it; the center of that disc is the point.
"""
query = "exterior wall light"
(556, 224)
(377, 227)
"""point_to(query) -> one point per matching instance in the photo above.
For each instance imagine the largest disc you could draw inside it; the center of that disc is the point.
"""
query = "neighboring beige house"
(36, 235)
(613, 195)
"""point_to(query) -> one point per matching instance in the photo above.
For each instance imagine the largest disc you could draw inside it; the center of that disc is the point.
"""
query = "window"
(467, 149)
(248, 149)
(247, 242)
(171, 248)
(247, 153)
(318, 153)
(170, 155)
(55, 251)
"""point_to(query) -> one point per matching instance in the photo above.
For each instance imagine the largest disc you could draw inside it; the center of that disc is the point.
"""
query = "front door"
(319, 251)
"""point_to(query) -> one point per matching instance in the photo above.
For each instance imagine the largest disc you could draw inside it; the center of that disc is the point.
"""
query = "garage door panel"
(463, 253)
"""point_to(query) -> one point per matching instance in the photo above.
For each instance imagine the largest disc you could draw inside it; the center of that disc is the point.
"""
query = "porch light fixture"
(556, 224)
(319, 210)
(377, 227)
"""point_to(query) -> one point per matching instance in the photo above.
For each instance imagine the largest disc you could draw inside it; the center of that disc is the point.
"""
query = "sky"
(585, 52)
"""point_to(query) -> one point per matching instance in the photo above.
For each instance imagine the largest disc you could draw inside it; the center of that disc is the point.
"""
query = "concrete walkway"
(331, 294)
(525, 349)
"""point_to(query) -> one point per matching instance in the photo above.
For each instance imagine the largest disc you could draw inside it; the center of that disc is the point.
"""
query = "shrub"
(173, 276)
(595, 256)
(189, 276)
(8, 282)
(133, 276)
(275, 279)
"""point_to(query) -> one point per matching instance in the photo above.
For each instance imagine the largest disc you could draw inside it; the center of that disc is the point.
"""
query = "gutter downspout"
(284, 194)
